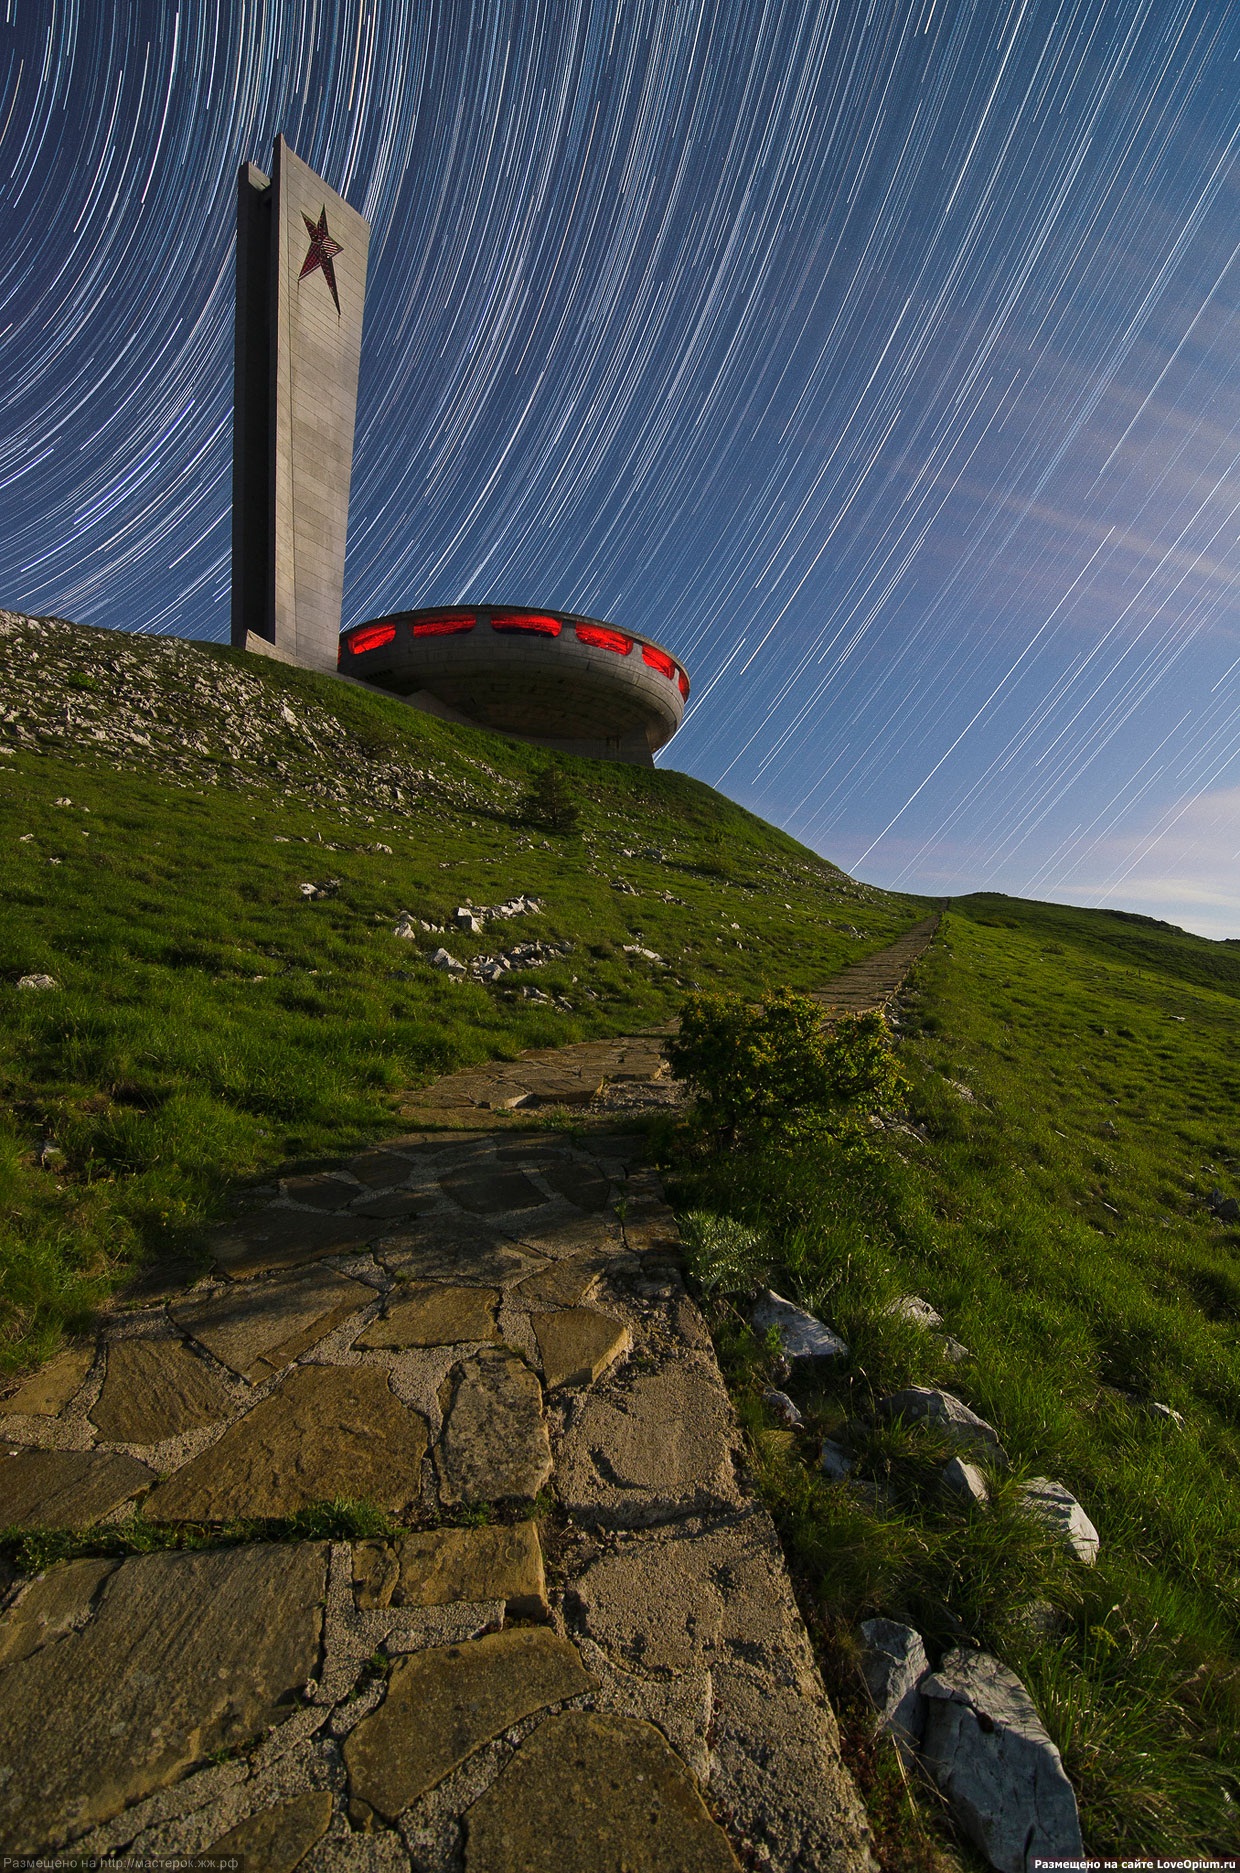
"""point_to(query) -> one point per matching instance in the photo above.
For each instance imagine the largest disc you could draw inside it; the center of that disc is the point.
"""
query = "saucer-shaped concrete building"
(555, 678)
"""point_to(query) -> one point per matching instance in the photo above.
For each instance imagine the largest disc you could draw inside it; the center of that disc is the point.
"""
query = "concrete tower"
(301, 286)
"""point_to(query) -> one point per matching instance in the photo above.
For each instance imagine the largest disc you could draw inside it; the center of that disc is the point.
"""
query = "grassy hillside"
(162, 804)
(1074, 1126)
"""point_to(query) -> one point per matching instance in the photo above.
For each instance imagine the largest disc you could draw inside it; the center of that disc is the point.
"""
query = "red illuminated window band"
(659, 660)
(601, 638)
(370, 638)
(447, 625)
(537, 622)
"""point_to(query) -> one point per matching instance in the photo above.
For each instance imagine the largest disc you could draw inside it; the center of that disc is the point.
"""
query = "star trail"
(878, 359)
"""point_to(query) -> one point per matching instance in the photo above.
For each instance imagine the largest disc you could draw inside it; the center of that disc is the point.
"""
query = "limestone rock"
(576, 1344)
(800, 1334)
(261, 1327)
(894, 1663)
(1059, 1511)
(328, 1432)
(911, 1307)
(660, 1447)
(444, 1703)
(437, 1566)
(426, 1313)
(156, 1389)
(65, 1488)
(278, 1839)
(50, 1606)
(925, 1404)
(213, 1645)
(46, 1393)
(781, 1406)
(986, 1748)
(494, 1442)
(835, 1462)
(966, 1482)
(589, 1790)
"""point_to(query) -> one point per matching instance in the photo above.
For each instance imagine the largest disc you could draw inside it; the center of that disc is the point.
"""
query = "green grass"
(212, 1025)
(1075, 1080)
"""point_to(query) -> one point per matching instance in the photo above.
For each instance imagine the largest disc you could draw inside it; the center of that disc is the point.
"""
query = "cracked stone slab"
(278, 1839)
(576, 1344)
(455, 1252)
(494, 1443)
(435, 1567)
(894, 1663)
(217, 1645)
(427, 1313)
(155, 1389)
(661, 1446)
(590, 1790)
(261, 1327)
(565, 1284)
(568, 1236)
(443, 1704)
(277, 1238)
(66, 1488)
(986, 1747)
(327, 1432)
(492, 1191)
(50, 1606)
(46, 1393)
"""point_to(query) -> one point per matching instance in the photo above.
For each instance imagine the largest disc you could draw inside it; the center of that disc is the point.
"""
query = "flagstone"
(444, 1703)
(588, 1789)
(434, 1567)
(282, 1238)
(278, 1839)
(155, 1389)
(494, 1443)
(212, 1645)
(66, 1488)
(576, 1344)
(327, 1433)
(260, 1327)
(46, 1393)
(426, 1313)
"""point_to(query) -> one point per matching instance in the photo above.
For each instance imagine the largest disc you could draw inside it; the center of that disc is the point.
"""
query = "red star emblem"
(323, 250)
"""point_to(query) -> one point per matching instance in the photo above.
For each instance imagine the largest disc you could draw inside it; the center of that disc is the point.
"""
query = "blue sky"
(879, 360)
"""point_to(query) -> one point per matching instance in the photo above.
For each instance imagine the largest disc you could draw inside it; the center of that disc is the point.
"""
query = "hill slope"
(210, 855)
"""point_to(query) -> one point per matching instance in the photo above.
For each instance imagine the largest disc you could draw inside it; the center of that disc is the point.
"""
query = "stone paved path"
(580, 1652)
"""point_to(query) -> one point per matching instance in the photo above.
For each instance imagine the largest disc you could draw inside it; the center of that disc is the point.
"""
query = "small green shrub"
(550, 803)
(779, 1069)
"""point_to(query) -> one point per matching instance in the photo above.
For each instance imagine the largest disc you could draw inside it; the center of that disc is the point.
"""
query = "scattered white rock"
(647, 956)
(956, 1352)
(966, 1481)
(835, 1463)
(1166, 1414)
(800, 1334)
(925, 1404)
(963, 1091)
(63, 801)
(406, 927)
(1059, 1511)
(37, 982)
(467, 919)
(912, 1307)
(443, 960)
(782, 1407)
(987, 1749)
(894, 1663)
